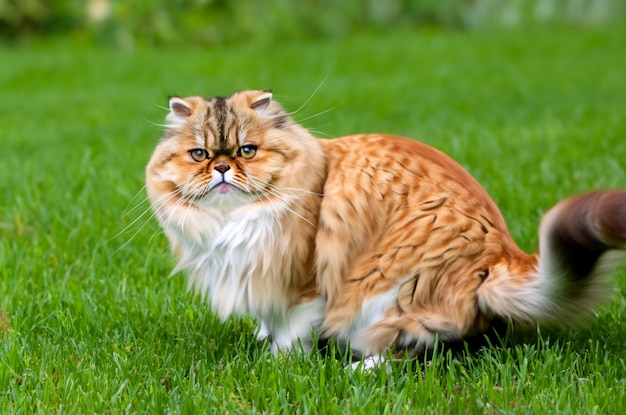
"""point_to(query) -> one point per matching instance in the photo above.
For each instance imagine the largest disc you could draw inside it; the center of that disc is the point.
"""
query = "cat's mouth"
(223, 188)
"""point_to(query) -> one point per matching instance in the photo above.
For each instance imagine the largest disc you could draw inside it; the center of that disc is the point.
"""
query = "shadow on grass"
(501, 341)
(196, 339)
(504, 336)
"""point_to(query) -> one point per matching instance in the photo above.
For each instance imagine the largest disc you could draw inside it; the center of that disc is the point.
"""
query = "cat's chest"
(237, 264)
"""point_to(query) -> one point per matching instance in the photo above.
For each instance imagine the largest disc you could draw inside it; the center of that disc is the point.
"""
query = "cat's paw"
(371, 363)
(274, 348)
(262, 333)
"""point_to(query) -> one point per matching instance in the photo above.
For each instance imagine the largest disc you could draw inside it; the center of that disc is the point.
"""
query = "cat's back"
(396, 172)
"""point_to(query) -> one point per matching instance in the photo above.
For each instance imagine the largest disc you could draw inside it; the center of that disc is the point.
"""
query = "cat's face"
(225, 152)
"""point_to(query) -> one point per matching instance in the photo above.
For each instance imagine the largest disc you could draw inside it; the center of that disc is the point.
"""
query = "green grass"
(90, 322)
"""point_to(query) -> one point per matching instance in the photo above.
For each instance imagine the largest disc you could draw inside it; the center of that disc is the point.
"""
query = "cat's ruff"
(231, 265)
(404, 246)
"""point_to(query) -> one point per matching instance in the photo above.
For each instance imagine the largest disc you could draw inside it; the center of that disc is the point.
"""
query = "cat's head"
(224, 153)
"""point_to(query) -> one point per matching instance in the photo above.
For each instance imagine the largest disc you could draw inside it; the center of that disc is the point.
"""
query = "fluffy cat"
(378, 241)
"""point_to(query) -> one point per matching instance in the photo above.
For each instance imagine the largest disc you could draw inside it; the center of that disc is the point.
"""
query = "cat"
(378, 241)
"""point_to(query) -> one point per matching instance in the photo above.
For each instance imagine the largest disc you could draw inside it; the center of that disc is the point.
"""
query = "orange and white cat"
(378, 241)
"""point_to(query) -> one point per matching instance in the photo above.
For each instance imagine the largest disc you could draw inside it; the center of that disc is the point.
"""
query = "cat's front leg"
(294, 330)
(262, 332)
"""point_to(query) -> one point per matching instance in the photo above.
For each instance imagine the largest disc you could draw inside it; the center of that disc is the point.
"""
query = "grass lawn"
(90, 322)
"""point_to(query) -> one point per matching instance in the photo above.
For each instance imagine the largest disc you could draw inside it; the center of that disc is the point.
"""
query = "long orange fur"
(379, 241)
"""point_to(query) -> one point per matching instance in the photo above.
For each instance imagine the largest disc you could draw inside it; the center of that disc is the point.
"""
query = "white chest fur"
(241, 262)
(232, 263)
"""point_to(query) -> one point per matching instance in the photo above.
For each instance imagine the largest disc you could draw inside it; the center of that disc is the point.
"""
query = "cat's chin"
(224, 188)
(225, 197)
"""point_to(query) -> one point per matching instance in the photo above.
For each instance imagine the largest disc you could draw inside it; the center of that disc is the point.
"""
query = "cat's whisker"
(146, 211)
(193, 198)
(315, 91)
(140, 192)
(282, 196)
(274, 206)
(134, 210)
(317, 114)
(153, 212)
(286, 206)
(185, 204)
(294, 189)
(267, 198)
(289, 209)
(270, 192)
(127, 212)
(320, 133)
(125, 244)
(159, 125)
(169, 212)
(182, 203)
(285, 189)
(160, 106)
(126, 228)
(271, 188)
(315, 130)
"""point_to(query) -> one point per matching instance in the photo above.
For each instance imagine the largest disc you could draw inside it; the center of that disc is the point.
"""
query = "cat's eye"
(199, 154)
(247, 151)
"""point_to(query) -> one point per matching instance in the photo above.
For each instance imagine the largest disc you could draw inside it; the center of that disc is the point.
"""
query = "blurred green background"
(211, 22)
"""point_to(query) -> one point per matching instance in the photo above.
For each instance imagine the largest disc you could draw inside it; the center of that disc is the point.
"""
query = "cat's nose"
(222, 167)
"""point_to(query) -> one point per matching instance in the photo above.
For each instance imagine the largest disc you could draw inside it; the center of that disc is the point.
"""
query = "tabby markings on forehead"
(221, 116)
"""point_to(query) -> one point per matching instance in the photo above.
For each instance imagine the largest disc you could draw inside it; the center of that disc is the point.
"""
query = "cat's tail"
(582, 243)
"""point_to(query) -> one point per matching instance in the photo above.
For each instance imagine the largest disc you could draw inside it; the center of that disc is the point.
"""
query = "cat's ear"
(180, 109)
(261, 102)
